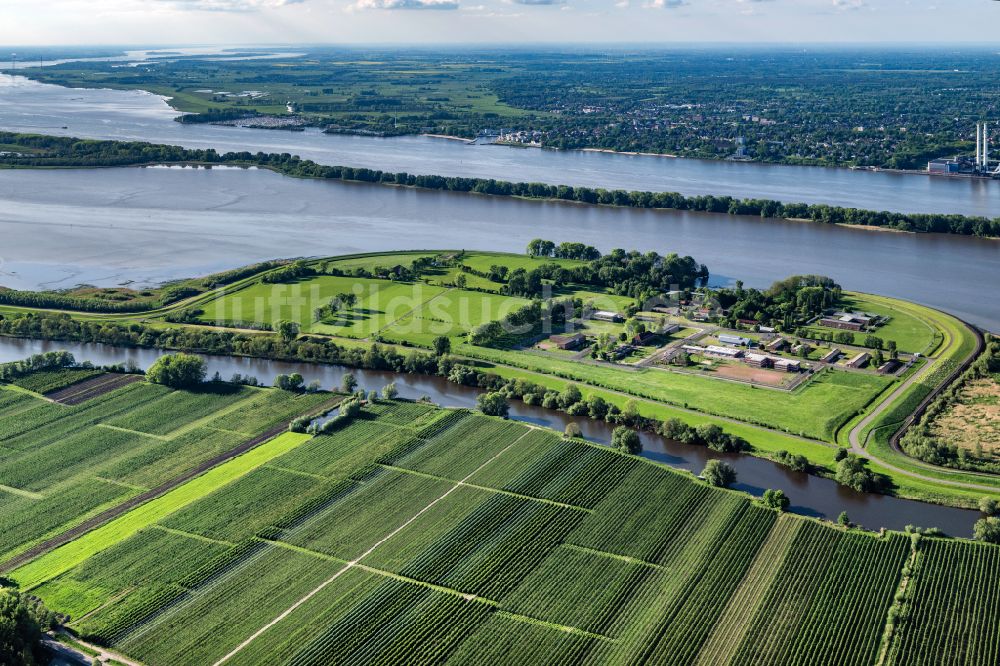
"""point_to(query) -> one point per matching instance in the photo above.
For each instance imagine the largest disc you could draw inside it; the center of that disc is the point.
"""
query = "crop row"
(504, 641)
(46, 381)
(157, 461)
(24, 520)
(396, 623)
(578, 588)
(239, 510)
(349, 526)
(490, 551)
(48, 422)
(463, 448)
(176, 409)
(844, 622)
(11, 401)
(447, 419)
(349, 451)
(544, 465)
(642, 516)
(140, 572)
(40, 468)
(403, 413)
(213, 618)
(687, 626)
(266, 409)
(955, 606)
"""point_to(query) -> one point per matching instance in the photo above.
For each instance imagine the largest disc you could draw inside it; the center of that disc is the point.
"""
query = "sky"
(186, 22)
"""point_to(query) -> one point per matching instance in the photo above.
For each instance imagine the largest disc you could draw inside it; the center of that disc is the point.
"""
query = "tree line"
(68, 152)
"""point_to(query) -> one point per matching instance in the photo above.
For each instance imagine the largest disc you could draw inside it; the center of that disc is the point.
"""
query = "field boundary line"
(525, 619)
(615, 556)
(509, 493)
(190, 535)
(161, 438)
(122, 484)
(208, 418)
(20, 492)
(353, 563)
(298, 472)
(414, 309)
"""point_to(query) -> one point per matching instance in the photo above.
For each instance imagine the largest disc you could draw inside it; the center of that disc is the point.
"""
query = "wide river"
(29, 106)
(810, 495)
(107, 226)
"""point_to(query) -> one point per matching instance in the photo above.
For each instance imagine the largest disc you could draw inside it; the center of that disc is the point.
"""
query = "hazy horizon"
(30, 23)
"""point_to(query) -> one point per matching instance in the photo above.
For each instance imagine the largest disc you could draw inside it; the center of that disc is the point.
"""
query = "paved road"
(859, 447)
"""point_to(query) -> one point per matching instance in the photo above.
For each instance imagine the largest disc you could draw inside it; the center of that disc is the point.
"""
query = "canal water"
(811, 496)
(29, 106)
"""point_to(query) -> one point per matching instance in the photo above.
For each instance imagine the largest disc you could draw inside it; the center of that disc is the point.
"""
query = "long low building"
(859, 361)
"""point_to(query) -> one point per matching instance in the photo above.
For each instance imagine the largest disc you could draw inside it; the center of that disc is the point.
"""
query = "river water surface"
(810, 495)
(29, 106)
(107, 226)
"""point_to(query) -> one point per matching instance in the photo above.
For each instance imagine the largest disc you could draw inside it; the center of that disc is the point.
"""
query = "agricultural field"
(443, 536)
(64, 462)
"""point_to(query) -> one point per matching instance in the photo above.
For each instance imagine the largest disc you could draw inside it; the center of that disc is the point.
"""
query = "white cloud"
(665, 4)
(406, 4)
(228, 5)
(539, 2)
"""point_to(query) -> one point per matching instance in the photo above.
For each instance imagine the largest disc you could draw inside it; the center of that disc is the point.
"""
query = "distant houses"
(832, 356)
(643, 339)
(568, 342)
(734, 340)
(777, 345)
(859, 361)
(850, 321)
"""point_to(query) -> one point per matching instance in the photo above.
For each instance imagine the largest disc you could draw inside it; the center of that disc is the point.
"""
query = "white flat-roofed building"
(607, 315)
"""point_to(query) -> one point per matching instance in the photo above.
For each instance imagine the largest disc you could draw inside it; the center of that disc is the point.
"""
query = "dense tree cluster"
(23, 621)
(179, 371)
(853, 472)
(36, 363)
(707, 434)
(59, 151)
(531, 318)
(785, 303)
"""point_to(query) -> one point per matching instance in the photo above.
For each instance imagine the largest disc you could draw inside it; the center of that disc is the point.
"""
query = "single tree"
(179, 371)
(626, 440)
(844, 519)
(987, 529)
(442, 345)
(988, 506)
(348, 383)
(572, 430)
(288, 330)
(719, 473)
(493, 404)
(389, 391)
(776, 499)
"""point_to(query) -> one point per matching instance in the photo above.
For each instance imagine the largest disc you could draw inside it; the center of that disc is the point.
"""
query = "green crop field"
(426, 536)
(63, 463)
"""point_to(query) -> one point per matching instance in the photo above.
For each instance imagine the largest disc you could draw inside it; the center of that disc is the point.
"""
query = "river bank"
(811, 495)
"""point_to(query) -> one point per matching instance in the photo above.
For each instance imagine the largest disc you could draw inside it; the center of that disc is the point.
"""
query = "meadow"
(440, 536)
